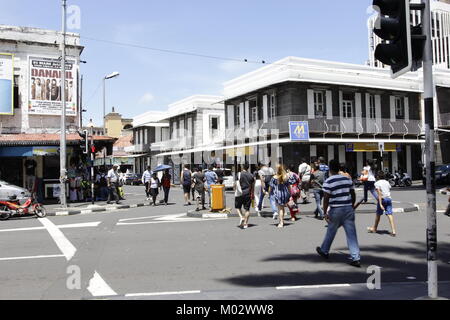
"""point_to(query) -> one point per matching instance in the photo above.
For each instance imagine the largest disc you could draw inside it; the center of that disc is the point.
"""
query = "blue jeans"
(318, 195)
(273, 203)
(261, 197)
(370, 186)
(342, 217)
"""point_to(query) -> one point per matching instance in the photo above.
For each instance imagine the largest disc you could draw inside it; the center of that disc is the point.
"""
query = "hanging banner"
(6, 83)
(45, 87)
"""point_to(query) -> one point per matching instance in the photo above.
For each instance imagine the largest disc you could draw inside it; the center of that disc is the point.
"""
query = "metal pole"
(63, 155)
(92, 167)
(430, 154)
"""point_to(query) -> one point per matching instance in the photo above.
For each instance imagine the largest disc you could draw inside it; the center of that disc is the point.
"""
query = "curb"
(265, 214)
(95, 210)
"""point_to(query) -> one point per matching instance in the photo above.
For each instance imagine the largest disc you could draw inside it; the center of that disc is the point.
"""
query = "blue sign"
(299, 130)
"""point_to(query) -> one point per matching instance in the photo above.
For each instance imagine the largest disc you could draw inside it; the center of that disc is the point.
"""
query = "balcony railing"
(342, 126)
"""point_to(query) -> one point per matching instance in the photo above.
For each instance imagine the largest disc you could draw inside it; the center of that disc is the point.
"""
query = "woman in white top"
(258, 190)
(369, 180)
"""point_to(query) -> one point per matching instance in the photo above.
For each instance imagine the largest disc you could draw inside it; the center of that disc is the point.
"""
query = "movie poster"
(6, 83)
(45, 87)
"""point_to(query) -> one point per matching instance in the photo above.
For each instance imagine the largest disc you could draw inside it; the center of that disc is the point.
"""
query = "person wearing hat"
(113, 183)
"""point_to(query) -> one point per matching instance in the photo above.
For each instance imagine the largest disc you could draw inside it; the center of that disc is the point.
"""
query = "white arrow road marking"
(65, 226)
(162, 219)
(99, 288)
(66, 247)
(32, 257)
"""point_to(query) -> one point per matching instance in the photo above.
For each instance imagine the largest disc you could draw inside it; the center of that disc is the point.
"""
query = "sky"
(150, 80)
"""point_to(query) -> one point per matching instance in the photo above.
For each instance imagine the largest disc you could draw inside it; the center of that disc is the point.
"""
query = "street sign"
(299, 130)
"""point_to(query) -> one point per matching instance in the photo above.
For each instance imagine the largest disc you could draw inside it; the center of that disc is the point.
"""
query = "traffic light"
(394, 27)
(84, 145)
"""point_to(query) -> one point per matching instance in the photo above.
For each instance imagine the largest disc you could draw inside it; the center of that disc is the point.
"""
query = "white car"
(8, 190)
(228, 179)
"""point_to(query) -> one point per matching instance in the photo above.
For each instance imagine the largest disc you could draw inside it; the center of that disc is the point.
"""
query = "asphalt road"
(158, 253)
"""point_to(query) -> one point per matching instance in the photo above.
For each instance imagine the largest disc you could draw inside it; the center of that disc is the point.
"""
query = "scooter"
(13, 208)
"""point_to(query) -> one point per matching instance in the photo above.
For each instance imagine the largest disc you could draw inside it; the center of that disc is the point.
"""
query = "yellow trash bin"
(217, 197)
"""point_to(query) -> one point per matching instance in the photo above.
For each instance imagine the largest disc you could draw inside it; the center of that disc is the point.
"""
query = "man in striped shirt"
(339, 197)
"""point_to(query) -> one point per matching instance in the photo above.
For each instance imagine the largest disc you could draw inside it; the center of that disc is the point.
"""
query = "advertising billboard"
(6, 83)
(45, 86)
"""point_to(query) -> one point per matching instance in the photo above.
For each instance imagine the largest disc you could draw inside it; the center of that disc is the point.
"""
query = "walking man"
(199, 188)
(245, 186)
(304, 172)
(211, 179)
(339, 197)
(146, 177)
(113, 184)
(186, 182)
(266, 174)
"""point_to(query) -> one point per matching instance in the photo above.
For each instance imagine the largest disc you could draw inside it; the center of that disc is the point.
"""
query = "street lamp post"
(111, 76)
(62, 155)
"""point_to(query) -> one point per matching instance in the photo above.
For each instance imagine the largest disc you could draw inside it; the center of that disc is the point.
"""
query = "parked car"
(8, 191)
(442, 175)
(133, 179)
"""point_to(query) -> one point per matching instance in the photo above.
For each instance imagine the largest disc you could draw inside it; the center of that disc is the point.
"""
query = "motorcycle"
(400, 180)
(13, 208)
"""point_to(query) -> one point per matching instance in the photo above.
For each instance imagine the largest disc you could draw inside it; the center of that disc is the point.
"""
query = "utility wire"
(124, 44)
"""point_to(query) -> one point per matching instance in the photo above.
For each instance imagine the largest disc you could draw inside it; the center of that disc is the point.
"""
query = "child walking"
(384, 205)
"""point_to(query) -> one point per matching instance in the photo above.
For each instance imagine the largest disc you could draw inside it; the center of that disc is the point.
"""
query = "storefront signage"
(6, 83)
(240, 152)
(372, 147)
(299, 130)
(45, 86)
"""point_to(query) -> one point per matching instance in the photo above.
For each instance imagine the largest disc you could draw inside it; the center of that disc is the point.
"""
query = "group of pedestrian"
(153, 185)
(197, 183)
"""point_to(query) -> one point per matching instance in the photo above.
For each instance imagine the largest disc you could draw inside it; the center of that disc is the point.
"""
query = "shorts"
(243, 201)
(186, 188)
(199, 195)
(387, 204)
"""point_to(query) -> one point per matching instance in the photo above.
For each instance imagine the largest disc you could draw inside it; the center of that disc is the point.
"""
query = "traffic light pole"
(430, 154)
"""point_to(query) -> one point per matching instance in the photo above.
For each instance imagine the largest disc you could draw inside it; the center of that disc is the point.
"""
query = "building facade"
(350, 109)
(116, 126)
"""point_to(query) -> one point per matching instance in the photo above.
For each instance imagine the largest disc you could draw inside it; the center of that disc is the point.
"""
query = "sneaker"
(198, 209)
(356, 264)
(245, 227)
(204, 208)
(322, 254)
(275, 216)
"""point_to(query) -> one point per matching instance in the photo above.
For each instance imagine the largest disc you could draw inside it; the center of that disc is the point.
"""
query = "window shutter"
(341, 99)
(241, 115)
(329, 105)
(247, 114)
(392, 107)
(265, 109)
(406, 109)
(311, 114)
(230, 110)
(358, 108)
(378, 107)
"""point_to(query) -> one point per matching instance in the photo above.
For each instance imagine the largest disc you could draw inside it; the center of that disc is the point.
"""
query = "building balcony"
(338, 126)
(181, 143)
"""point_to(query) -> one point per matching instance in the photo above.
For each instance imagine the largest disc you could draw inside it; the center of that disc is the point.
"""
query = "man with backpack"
(304, 172)
(265, 173)
(186, 182)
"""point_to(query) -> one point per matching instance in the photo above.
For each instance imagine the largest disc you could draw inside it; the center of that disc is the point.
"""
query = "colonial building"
(350, 109)
(30, 106)
(117, 126)
(196, 124)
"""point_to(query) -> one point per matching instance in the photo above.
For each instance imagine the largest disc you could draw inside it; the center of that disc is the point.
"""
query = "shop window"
(51, 168)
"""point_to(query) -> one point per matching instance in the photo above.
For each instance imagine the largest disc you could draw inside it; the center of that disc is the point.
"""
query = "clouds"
(146, 99)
